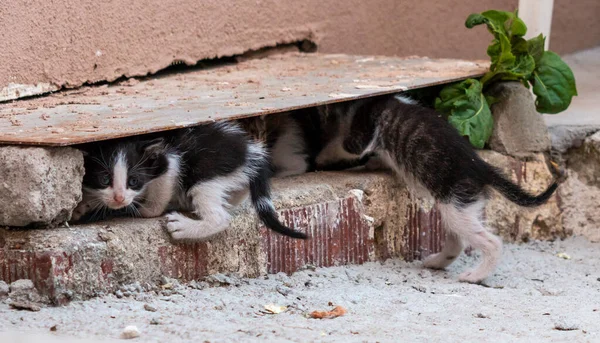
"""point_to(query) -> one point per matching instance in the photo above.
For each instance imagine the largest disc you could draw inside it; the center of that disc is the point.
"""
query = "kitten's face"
(116, 175)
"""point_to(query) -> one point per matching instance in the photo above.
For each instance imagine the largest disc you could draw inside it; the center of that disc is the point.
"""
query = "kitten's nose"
(119, 198)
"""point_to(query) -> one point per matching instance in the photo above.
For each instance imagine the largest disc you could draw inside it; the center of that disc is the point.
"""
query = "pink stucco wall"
(68, 43)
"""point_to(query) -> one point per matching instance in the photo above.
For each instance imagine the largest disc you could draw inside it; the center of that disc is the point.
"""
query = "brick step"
(351, 217)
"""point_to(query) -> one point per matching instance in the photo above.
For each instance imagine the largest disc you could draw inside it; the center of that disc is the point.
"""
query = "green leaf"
(519, 46)
(553, 84)
(508, 67)
(498, 23)
(517, 27)
(535, 47)
(468, 110)
(506, 59)
(475, 19)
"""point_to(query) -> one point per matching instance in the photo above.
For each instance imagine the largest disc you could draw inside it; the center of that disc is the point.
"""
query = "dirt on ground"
(542, 291)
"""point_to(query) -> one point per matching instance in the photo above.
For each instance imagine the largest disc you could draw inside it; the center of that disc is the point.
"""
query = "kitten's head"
(116, 174)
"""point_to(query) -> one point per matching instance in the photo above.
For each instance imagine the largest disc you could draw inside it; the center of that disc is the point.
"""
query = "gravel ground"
(537, 294)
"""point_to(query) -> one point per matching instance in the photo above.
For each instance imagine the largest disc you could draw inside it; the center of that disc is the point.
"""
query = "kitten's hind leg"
(208, 201)
(452, 248)
(465, 222)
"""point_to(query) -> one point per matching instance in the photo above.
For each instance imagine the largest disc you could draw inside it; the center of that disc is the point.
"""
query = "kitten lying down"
(205, 171)
(418, 145)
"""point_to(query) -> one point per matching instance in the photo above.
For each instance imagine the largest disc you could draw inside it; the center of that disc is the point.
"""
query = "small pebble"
(130, 332)
(154, 321)
(150, 308)
(482, 315)
(564, 324)
(24, 305)
(119, 294)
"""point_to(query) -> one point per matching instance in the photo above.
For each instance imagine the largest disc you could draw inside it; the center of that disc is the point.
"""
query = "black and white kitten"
(205, 170)
(420, 146)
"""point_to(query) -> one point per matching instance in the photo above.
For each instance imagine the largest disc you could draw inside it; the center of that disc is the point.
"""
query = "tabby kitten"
(425, 150)
(205, 170)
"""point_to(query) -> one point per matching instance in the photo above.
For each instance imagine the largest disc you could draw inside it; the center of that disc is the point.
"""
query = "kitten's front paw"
(435, 261)
(178, 226)
(183, 228)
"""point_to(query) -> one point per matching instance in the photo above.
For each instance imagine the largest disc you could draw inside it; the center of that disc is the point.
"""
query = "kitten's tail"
(260, 195)
(515, 193)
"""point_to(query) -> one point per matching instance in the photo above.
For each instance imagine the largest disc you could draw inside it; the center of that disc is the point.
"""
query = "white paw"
(471, 276)
(178, 226)
(433, 262)
(184, 228)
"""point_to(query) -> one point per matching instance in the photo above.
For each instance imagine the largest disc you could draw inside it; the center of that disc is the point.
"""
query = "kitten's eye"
(104, 180)
(133, 181)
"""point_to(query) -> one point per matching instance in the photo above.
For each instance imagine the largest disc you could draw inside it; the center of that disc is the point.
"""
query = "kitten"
(294, 139)
(204, 170)
(423, 148)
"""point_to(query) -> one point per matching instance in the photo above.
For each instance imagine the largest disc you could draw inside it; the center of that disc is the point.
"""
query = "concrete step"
(352, 217)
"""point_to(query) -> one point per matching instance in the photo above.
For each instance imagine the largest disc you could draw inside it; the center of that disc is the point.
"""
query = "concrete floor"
(542, 291)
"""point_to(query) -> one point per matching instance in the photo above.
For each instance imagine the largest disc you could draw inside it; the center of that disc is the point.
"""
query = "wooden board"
(174, 100)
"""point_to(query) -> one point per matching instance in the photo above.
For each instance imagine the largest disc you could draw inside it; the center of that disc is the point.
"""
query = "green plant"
(513, 58)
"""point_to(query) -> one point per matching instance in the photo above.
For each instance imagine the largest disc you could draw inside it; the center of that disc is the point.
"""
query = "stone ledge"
(580, 193)
(39, 185)
(352, 217)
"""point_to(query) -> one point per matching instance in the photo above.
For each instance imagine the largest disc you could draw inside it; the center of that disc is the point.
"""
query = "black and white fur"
(421, 147)
(205, 171)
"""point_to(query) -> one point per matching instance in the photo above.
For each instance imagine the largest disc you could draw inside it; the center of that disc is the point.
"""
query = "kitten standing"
(205, 170)
(428, 153)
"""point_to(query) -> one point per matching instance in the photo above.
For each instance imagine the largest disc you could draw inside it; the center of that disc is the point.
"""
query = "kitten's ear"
(154, 146)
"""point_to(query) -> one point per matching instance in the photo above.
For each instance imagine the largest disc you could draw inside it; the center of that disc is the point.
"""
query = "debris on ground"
(150, 308)
(130, 332)
(274, 309)
(337, 311)
(24, 305)
(564, 324)
(222, 280)
(563, 255)
(24, 296)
